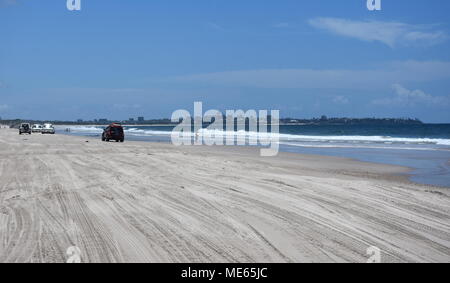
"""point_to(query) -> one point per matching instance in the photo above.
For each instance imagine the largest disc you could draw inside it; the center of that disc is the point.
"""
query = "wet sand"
(153, 202)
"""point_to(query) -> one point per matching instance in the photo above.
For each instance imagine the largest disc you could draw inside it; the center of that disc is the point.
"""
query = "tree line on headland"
(284, 121)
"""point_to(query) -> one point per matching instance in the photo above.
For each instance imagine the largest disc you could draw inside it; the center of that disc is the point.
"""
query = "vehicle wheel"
(103, 138)
(121, 140)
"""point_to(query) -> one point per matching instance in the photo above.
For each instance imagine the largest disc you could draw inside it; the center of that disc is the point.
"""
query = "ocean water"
(424, 148)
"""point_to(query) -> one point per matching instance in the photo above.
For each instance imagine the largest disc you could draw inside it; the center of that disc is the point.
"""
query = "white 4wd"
(48, 129)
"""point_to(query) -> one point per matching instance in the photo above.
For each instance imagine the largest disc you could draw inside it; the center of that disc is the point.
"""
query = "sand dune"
(145, 202)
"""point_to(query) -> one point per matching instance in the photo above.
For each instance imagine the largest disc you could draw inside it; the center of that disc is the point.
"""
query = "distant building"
(140, 119)
(80, 121)
(131, 119)
(103, 120)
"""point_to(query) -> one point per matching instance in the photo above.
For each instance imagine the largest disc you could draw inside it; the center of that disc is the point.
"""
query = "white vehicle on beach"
(36, 128)
(48, 129)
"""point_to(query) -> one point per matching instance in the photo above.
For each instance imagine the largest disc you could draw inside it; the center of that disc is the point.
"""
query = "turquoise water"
(424, 148)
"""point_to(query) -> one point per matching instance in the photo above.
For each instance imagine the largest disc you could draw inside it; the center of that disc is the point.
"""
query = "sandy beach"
(153, 202)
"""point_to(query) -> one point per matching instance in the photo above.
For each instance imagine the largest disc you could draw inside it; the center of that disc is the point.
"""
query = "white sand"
(145, 202)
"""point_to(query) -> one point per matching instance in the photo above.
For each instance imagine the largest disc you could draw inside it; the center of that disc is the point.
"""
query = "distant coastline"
(284, 122)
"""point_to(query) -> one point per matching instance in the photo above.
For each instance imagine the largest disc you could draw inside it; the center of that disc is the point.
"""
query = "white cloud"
(340, 99)
(376, 77)
(390, 33)
(215, 26)
(406, 97)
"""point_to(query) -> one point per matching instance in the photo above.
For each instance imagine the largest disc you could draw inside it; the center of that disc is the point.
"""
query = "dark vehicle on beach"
(113, 132)
(25, 128)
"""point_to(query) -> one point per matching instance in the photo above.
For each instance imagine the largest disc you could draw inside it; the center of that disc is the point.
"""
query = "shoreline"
(409, 173)
(154, 202)
(401, 173)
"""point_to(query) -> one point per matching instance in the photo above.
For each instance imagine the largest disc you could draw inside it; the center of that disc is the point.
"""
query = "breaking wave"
(324, 139)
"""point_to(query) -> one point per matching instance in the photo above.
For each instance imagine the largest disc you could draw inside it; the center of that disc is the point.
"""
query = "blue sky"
(118, 59)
